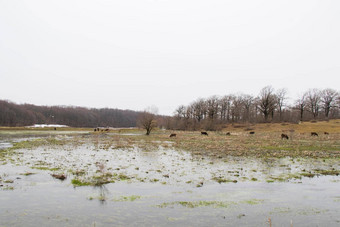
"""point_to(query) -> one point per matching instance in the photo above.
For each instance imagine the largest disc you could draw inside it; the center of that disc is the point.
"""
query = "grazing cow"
(314, 134)
(55, 128)
(204, 133)
(326, 133)
(284, 136)
(228, 134)
(95, 129)
(172, 135)
(251, 133)
(107, 130)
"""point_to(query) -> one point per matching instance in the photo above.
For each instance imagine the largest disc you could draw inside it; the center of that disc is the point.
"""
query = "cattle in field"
(107, 130)
(314, 134)
(284, 136)
(204, 133)
(172, 135)
(326, 133)
(228, 134)
(252, 133)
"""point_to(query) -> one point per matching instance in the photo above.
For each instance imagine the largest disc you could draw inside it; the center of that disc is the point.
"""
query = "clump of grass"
(331, 172)
(310, 175)
(78, 183)
(223, 180)
(45, 168)
(127, 198)
(27, 173)
(8, 188)
(194, 204)
(123, 177)
(253, 201)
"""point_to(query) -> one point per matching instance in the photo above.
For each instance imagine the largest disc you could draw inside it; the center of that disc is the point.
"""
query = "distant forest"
(12, 114)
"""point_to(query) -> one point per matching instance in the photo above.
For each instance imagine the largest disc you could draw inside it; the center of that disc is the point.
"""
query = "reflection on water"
(164, 188)
(4, 145)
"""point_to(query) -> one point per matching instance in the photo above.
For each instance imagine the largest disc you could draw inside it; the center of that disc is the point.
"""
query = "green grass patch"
(45, 168)
(127, 198)
(78, 183)
(194, 204)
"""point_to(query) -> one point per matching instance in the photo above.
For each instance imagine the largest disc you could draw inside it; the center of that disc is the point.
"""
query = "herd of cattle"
(283, 136)
(204, 133)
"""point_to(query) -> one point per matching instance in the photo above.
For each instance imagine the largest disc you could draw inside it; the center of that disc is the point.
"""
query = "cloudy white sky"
(132, 54)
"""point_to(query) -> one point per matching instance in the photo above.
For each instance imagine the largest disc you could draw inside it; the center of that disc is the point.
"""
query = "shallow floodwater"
(164, 188)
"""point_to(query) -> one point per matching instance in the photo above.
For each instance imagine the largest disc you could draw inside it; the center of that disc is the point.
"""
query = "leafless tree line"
(12, 114)
(269, 106)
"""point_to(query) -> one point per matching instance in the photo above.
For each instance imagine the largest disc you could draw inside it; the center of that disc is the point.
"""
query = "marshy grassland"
(222, 147)
(225, 174)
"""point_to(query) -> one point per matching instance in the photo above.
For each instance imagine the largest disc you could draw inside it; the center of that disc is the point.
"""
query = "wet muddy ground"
(111, 180)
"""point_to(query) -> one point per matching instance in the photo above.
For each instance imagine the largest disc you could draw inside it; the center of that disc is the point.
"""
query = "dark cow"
(314, 134)
(284, 136)
(251, 133)
(228, 134)
(326, 133)
(107, 130)
(204, 133)
(172, 135)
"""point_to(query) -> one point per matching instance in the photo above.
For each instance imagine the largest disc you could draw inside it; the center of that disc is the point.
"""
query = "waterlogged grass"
(266, 142)
(214, 204)
(29, 144)
(78, 183)
(45, 168)
(223, 180)
(99, 180)
(130, 198)
(195, 204)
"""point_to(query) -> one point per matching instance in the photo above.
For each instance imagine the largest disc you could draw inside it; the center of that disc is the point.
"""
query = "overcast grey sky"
(131, 54)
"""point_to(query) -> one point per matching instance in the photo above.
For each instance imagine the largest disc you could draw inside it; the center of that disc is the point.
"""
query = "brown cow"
(228, 134)
(173, 135)
(284, 136)
(326, 133)
(314, 134)
(204, 133)
(251, 133)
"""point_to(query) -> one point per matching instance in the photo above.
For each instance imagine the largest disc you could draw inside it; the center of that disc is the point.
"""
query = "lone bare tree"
(147, 119)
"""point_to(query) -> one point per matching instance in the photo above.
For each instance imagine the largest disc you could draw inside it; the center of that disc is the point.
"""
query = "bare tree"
(212, 106)
(225, 103)
(198, 108)
(147, 119)
(281, 98)
(328, 99)
(248, 102)
(313, 99)
(236, 108)
(301, 105)
(267, 102)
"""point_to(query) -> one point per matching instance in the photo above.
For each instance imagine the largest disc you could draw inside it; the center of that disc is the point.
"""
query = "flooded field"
(127, 179)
